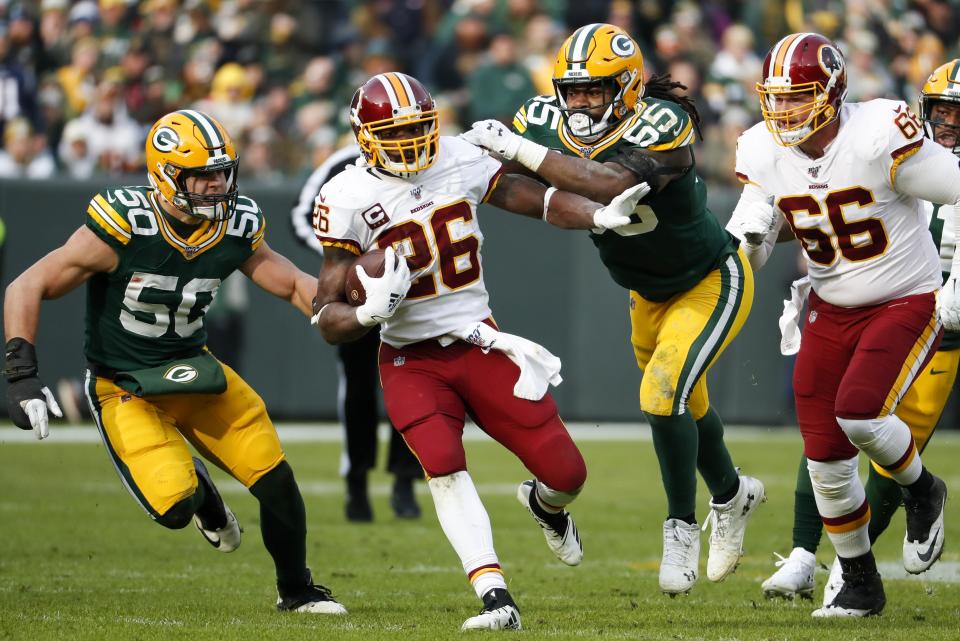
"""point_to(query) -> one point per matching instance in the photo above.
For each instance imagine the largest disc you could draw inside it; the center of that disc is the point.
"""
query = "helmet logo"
(830, 60)
(166, 139)
(181, 374)
(622, 45)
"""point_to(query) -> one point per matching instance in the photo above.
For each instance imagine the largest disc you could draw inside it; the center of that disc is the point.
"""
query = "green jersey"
(678, 241)
(150, 310)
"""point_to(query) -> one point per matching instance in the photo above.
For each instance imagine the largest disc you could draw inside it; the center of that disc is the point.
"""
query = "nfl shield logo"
(812, 317)
(398, 361)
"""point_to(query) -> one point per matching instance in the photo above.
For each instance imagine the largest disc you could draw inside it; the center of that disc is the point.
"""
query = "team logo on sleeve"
(166, 139)
(830, 59)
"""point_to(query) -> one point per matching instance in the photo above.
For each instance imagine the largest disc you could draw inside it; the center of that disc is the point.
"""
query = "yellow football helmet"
(605, 54)
(184, 143)
(942, 86)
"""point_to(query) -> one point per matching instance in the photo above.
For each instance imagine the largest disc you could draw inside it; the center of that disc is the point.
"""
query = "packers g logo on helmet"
(598, 54)
(188, 143)
(165, 139)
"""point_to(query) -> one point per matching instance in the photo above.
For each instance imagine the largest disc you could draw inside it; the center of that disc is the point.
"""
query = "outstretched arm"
(527, 197)
(336, 318)
(274, 273)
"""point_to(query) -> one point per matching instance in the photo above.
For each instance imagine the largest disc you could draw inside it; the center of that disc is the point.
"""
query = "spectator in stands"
(22, 156)
(499, 83)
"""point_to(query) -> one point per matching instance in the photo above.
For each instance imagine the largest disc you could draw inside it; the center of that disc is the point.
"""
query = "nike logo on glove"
(925, 556)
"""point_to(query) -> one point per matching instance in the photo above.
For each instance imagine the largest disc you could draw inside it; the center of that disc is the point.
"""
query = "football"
(372, 263)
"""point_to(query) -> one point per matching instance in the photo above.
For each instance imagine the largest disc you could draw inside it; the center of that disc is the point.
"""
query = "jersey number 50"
(459, 260)
(857, 240)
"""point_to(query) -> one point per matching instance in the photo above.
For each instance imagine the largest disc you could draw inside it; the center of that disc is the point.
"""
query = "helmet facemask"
(932, 127)
(207, 206)
(581, 123)
(796, 123)
(401, 156)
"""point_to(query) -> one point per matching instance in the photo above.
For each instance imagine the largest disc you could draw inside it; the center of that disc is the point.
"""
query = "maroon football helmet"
(799, 66)
(394, 119)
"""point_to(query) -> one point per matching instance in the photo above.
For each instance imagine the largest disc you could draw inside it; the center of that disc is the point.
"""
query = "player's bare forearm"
(56, 274)
(524, 196)
(277, 275)
(338, 321)
(601, 182)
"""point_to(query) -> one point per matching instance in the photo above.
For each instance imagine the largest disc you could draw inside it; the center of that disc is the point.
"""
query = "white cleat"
(923, 542)
(794, 578)
(729, 524)
(681, 557)
(499, 613)
(566, 546)
(226, 538)
(834, 582)
(311, 598)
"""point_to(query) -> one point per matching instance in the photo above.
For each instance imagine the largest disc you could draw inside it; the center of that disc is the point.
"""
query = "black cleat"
(499, 612)
(861, 596)
(312, 598)
(357, 506)
(923, 542)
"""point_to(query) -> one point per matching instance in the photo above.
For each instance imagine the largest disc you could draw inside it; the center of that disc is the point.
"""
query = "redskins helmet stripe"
(783, 53)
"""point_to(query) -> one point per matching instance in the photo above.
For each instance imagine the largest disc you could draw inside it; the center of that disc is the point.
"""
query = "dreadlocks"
(661, 87)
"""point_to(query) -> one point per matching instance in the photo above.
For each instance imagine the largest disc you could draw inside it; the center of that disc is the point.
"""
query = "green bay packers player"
(690, 288)
(153, 258)
(922, 404)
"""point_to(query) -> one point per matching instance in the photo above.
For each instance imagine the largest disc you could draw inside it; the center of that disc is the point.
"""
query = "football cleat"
(794, 576)
(227, 537)
(499, 612)
(564, 544)
(861, 595)
(923, 542)
(834, 582)
(310, 598)
(729, 524)
(681, 557)
(357, 506)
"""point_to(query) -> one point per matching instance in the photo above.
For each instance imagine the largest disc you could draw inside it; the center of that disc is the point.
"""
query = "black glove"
(27, 398)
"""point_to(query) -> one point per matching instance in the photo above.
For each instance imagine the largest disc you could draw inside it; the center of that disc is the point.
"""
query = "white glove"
(384, 294)
(36, 411)
(498, 138)
(757, 219)
(948, 304)
(617, 213)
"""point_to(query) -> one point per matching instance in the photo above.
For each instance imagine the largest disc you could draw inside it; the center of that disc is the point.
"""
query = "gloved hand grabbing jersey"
(28, 400)
(385, 293)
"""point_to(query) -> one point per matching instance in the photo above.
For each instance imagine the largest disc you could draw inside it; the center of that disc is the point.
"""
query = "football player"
(921, 405)
(416, 196)
(152, 258)
(359, 383)
(691, 290)
(848, 180)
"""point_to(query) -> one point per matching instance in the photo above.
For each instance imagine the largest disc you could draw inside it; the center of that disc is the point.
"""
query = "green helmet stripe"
(580, 46)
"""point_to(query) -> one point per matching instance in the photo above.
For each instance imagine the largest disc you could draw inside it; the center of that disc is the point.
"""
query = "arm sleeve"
(335, 224)
(107, 223)
(301, 216)
(930, 173)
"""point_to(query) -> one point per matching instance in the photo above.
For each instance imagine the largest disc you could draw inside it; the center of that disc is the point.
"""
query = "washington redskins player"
(415, 195)
(848, 179)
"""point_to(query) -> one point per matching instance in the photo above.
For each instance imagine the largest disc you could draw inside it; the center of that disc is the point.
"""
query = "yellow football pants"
(923, 403)
(677, 341)
(146, 438)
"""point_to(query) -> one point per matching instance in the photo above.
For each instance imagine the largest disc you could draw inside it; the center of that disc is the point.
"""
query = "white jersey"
(865, 242)
(430, 219)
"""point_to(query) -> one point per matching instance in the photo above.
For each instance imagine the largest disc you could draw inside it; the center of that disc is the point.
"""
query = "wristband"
(546, 201)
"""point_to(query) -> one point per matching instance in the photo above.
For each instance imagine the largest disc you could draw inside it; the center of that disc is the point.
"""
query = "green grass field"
(80, 560)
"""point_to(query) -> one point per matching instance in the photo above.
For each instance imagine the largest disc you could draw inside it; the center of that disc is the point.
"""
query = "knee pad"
(886, 440)
(862, 431)
(179, 516)
(836, 486)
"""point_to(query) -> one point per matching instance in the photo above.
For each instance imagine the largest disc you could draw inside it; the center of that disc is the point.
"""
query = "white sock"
(467, 526)
(842, 504)
(887, 441)
(551, 500)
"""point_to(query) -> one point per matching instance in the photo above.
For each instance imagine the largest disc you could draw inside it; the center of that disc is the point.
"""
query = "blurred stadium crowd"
(81, 81)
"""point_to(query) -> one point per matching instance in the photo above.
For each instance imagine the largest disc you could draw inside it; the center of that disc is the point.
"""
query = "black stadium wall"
(545, 284)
